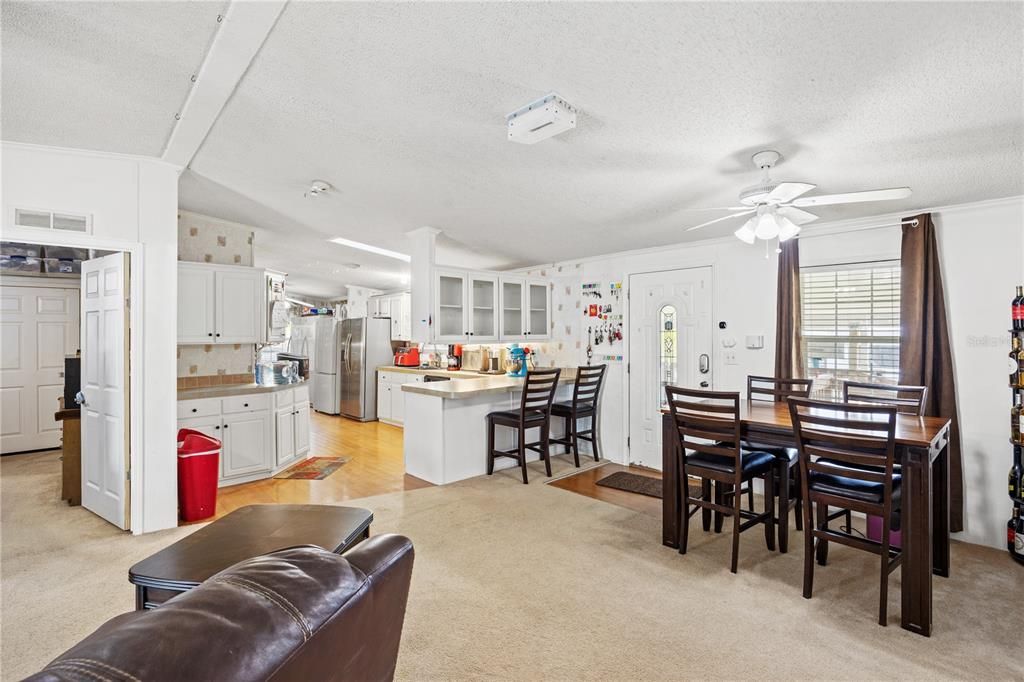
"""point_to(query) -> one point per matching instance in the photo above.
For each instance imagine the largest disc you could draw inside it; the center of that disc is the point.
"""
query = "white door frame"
(136, 253)
(627, 324)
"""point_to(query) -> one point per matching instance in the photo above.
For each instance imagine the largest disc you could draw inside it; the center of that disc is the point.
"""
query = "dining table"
(922, 448)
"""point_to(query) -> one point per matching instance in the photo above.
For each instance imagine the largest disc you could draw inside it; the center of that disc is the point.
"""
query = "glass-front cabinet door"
(450, 306)
(483, 308)
(538, 299)
(513, 321)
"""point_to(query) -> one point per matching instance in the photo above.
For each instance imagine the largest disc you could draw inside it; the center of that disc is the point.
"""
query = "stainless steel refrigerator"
(365, 345)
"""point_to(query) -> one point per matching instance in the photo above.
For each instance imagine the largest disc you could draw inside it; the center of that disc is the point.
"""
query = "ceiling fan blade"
(855, 197)
(717, 208)
(798, 216)
(787, 191)
(718, 220)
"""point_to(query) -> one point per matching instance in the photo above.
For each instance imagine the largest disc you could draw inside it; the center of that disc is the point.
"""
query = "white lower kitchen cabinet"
(390, 399)
(260, 433)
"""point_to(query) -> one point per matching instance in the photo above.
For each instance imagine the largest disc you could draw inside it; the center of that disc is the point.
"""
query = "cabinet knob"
(245, 405)
(195, 409)
(216, 428)
(209, 334)
(225, 426)
(218, 333)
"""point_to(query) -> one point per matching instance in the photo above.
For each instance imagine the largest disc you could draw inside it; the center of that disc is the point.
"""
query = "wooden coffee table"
(244, 533)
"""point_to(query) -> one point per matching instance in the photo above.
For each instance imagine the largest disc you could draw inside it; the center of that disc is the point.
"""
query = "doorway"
(64, 353)
(670, 344)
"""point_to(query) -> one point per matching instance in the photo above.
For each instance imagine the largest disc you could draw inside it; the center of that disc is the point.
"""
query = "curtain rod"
(913, 222)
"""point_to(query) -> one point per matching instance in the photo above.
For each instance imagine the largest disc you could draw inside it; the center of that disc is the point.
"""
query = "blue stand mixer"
(517, 356)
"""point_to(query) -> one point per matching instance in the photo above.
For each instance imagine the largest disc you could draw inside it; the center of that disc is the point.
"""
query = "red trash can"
(198, 470)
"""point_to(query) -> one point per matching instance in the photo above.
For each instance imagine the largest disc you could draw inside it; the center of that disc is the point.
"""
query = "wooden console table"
(71, 455)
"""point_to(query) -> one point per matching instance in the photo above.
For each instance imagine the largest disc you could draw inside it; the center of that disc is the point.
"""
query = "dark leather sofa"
(296, 614)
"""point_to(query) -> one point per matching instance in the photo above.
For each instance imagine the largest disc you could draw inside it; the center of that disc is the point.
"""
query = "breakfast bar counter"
(446, 424)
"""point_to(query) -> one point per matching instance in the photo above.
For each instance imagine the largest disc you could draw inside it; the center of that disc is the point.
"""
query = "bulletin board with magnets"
(603, 320)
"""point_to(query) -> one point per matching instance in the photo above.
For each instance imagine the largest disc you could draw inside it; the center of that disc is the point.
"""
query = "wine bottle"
(1018, 535)
(1015, 420)
(1011, 531)
(1014, 479)
(1015, 363)
(1018, 309)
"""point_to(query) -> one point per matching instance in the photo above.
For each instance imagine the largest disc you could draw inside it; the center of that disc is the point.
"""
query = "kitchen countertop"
(232, 389)
(460, 389)
(433, 371)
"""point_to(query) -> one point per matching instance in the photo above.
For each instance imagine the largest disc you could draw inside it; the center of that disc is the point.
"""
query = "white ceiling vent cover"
(547, 117)
(52, 220)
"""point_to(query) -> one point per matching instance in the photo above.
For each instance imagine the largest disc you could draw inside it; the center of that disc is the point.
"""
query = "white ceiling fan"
(777, 206)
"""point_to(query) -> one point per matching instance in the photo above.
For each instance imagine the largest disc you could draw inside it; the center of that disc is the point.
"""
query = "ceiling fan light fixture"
(746, 232)
(767, 226)
(787, 228)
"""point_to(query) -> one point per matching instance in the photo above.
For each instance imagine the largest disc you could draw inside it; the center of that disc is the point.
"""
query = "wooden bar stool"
(708, 424)
(847, 459)
(534, 412)
(585, 396)
(787, 474)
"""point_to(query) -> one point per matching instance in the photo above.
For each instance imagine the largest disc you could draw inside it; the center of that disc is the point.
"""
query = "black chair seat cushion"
(864, 491)
(512, 416)
(564, 409)
(752, 463)
(778, 451)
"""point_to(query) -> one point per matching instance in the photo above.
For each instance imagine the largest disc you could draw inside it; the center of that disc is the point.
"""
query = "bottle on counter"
(1011, 530)
(1018, 535)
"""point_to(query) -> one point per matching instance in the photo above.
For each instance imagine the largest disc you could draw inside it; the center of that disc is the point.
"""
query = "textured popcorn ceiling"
(107, 76)
(401, 107)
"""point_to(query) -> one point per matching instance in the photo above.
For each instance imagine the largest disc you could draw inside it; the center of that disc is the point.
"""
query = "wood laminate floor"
(376, 466)
(585, 483)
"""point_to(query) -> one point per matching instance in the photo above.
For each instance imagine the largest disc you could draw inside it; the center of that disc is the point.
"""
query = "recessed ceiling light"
(372, 249)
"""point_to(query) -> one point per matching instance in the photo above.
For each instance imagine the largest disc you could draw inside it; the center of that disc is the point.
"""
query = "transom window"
(851, 325)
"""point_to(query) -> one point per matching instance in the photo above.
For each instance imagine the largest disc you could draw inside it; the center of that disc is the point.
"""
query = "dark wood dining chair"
(787, 470)
(907, 399)
(708, 424)
(585, 396)
(534, 413)
(847, 459)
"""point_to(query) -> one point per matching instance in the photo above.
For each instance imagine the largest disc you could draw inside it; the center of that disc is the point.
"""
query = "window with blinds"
(851, 325)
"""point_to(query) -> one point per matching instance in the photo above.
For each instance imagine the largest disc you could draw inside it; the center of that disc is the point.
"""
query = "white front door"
(670, 344)
(105, 416)
(38, 327)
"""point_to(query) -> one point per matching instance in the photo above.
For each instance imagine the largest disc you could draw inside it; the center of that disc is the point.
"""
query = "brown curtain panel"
(789, 352)
(925, 354)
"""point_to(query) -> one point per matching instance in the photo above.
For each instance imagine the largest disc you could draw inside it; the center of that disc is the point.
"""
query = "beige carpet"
(532, 582)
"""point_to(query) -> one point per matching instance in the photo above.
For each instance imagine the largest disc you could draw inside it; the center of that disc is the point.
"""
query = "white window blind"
(851, 325)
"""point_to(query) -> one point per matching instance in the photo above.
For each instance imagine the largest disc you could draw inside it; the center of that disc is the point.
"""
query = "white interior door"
(105, 387)
(670, 344)
(38, 327)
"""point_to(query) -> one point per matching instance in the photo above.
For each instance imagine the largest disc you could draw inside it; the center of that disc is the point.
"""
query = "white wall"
(982, 251)
(133, 202)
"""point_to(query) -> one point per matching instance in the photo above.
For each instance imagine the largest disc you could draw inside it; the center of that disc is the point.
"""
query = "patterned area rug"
(314, 468)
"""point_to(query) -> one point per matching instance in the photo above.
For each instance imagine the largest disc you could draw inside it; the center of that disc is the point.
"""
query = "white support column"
(423, 242)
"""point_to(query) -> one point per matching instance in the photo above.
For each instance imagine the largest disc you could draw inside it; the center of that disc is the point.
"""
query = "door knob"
(80, 398)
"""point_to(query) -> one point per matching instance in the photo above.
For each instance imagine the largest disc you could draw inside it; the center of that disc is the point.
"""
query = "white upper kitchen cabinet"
(237, 305)
(512, 297)
(538, 309)
(450, 297)
(220, 304)
(195, 304)
(482, 308)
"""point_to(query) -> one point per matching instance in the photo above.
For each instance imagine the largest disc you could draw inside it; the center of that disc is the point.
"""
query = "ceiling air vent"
(50, 220)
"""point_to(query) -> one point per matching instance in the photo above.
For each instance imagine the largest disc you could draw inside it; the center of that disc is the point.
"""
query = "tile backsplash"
(202, 239)
(212, 361)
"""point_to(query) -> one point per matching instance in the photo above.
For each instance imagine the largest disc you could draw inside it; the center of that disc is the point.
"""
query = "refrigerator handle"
(348, 353)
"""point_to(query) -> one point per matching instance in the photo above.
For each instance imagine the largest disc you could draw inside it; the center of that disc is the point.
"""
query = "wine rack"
(1015, 483)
